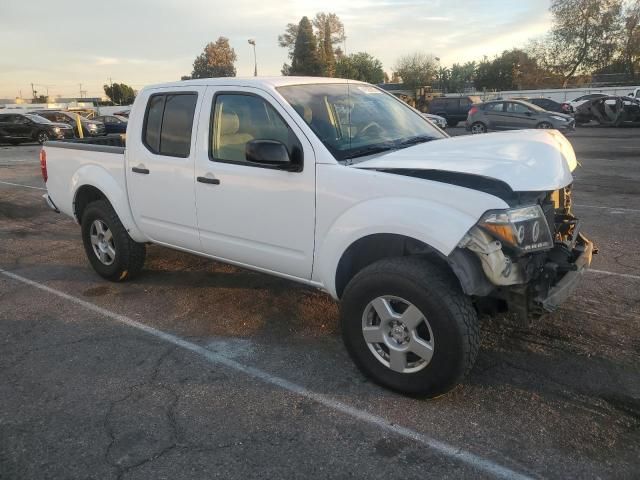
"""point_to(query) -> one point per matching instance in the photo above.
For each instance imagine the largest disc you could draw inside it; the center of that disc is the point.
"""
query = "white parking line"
(623, 275)
(463, 456)
(21, 185)
(619, 209)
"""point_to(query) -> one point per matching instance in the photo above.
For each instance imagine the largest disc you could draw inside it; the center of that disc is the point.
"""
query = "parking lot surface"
(201, 370)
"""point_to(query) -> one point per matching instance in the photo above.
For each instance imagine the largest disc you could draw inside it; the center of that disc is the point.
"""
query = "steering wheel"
(369, 129)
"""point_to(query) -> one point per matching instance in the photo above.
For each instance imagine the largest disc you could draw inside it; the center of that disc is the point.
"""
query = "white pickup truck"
(343, 187)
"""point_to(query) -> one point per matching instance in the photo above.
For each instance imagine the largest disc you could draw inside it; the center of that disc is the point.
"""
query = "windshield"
(36, 118)
(355, 120)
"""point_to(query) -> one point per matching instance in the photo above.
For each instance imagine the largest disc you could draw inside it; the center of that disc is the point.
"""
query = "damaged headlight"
(524, 229)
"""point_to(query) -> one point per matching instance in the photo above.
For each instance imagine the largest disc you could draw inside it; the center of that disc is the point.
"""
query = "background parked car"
(453, 109)
(547, 104)
(113, 123)
(514, 115)
(609, 110)
(90, 128)
(123, 113)
(436, 119)
(16, 128)
(570, 107)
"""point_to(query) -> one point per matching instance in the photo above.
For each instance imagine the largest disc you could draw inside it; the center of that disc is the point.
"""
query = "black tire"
(450, 314)
(545, 125)
(479, 128)
(129, 255)
(452, 123)
(42, 137)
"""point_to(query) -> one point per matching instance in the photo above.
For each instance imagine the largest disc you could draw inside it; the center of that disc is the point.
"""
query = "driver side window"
(516, 108)
(238, 119)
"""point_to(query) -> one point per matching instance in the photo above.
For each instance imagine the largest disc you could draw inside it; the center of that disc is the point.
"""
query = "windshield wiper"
(414, 140)
(371, 149)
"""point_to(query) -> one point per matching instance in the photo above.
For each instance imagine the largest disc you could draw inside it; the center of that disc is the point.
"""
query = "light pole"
(255, 59)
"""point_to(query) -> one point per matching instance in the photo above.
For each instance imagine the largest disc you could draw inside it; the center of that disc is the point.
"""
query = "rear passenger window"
(168, 124)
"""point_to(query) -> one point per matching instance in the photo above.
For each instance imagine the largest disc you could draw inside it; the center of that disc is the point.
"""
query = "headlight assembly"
(524, 228)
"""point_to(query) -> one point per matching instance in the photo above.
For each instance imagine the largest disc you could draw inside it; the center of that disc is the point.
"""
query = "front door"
(159, 168)
(249, 213)
(519, 116)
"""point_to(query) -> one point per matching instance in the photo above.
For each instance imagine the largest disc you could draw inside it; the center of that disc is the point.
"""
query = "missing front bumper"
(565, 287)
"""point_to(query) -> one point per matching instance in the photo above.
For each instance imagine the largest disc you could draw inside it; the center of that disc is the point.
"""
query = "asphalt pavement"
(201, 370)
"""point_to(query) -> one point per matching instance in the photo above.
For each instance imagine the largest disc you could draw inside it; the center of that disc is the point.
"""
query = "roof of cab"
(259, 82)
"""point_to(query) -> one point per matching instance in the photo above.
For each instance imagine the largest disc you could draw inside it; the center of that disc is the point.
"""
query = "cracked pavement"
(82, 396)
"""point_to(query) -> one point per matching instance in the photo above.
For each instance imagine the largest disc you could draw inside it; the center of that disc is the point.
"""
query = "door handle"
(140, 170)
(212, 181)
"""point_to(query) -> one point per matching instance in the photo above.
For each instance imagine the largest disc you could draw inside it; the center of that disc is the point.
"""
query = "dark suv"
(453, 109)
(16, 128)
(90, 128)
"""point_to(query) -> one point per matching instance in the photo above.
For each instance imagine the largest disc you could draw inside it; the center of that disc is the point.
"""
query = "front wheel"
(109, 248)
(478, 127)
(408, 326)
(42, 137)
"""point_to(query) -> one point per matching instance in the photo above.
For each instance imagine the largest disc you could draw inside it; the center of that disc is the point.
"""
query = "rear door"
(494, 115)
(247, 213)
(159, 167)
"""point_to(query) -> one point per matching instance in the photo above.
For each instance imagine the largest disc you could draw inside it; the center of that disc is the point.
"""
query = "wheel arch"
(92, 183)
(384, 227)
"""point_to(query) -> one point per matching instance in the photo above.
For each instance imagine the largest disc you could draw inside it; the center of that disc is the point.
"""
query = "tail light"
(472, 111)
(43, 165)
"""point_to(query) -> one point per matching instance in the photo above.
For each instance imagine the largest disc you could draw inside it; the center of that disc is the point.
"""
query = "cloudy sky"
(58, 45)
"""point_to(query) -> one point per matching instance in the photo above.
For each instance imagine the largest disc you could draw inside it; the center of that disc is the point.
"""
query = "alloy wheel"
(102, 242)
(397, 334)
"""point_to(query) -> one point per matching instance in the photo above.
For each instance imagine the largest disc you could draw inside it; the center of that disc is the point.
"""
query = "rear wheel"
(544, 125)
(109, 248)
(408, 326)
(478, 127)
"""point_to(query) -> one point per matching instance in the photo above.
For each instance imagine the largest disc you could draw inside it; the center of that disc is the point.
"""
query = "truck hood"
(525, 160)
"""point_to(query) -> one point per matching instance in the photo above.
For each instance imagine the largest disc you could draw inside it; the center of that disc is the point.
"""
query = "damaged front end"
(533, 257)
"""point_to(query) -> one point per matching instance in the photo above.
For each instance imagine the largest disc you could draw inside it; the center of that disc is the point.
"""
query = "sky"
(60, 45)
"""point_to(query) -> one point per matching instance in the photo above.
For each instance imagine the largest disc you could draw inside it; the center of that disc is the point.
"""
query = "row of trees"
(586, 37)
(120, 93)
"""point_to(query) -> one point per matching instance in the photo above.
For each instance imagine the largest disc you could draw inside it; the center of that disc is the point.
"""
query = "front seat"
(231, 144)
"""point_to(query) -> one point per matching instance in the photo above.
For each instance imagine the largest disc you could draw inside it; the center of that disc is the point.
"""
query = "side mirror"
(269, 153)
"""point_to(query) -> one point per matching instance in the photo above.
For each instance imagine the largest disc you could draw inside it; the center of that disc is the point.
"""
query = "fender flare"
(100, 178)
(421, 221)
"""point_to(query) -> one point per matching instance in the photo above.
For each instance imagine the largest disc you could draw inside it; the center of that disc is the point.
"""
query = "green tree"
(305, 60)
(217, 60)
(328, 58)
(329, 31)
(512, 70)
(360, 66)
(120, 93)
(585, 35)
(417, 69)
(630, 48)
(329, 24)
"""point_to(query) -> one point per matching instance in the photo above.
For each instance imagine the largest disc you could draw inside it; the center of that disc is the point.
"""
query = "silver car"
(514, 115)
